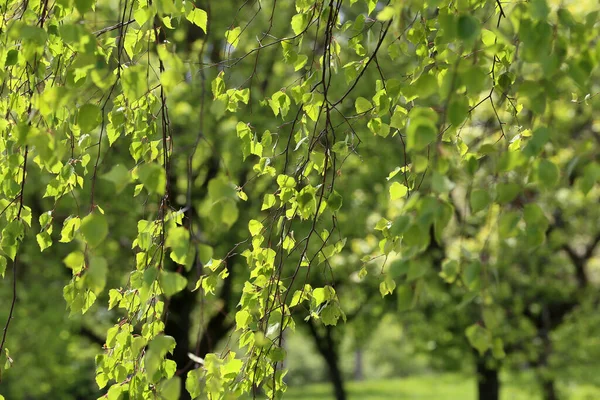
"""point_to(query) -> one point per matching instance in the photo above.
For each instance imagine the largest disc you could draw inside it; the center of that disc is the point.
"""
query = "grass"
(436, 387)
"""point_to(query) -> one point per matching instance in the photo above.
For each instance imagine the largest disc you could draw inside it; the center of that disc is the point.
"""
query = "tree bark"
(328, 349)
(549, 390)
(488, 384)
(177, 325)
(218, 325)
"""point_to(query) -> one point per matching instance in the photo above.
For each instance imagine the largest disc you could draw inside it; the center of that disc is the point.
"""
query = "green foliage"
(316, 151)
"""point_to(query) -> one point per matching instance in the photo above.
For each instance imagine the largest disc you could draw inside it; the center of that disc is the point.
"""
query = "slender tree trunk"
(216, 330)
(335, 375)
(549, 390)
(328, 349)
(358, 365)
(549, 320)
(177, 325)
(488, 384)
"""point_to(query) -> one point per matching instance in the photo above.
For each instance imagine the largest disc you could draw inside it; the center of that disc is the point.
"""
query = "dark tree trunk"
(328, 349)
(177, 325)
(549, 319)
(218, 325)
(549, 390)
(336, 379)
(488, 384)
(179, 321)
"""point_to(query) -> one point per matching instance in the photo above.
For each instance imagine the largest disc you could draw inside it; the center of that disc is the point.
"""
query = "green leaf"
(420, 133)
(11, 57)
(255, 227)
(479, 337)
(95, 276)
(334, 201)
(101, 380)
(114, 297)
(450, 270)
(268, 202)
(277, 354)
(425, 86)
(232, 367)
(458, 110)
(75, 260)
(387, 286)
(193, 382)
(115, 392)
(199, 18)
(417, 269)
(12, 234)
(70, 226)
(321, 295)
(94, 228)
(507, 226)
(397, 191)
(362, 105)
(488, 37)
(142, 15)
(133, 80)
(280, 103)
(400, 225)
(498, 349)
(399, 118)
(386, 14)
(170, 389)
(312, 107)
(44, 240)
(285, 181)
(415, 236)
(120, 176)
(299, 23)
(242, 319)
(172, 282)
(89, 117)
(479, 200)
(536, 144)
(507, 192)
(233, 36)
(468, 28)
(472, 274)
(157, 350)
(84, 6)
(178, 239)
(331, 314)
(548, 173)
(539, 9)
(153, 177)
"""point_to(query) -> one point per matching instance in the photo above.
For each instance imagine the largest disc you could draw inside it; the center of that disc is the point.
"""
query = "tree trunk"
(549, 390)
(488, 384)
(328, 349)
(335, 375)
(358, 365)
(177, 325)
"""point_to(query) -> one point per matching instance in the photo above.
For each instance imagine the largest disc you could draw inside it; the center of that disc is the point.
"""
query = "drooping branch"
(16, 257)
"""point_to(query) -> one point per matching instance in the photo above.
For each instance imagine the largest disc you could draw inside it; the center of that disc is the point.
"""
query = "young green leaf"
(94, 228)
